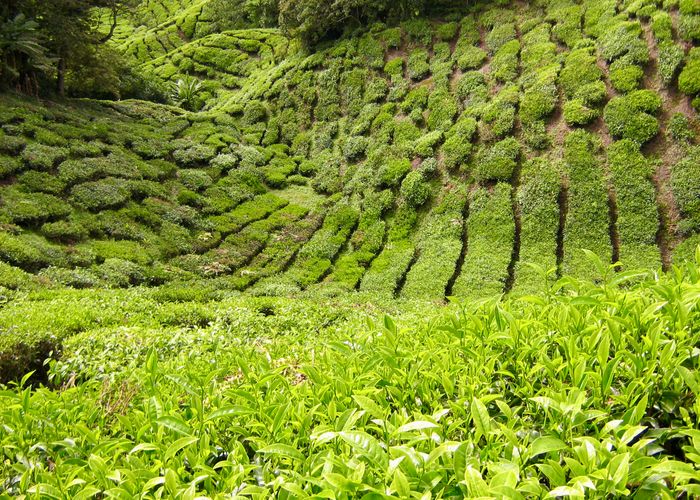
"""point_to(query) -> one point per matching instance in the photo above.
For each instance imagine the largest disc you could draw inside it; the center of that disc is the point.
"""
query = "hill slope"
(439, 157)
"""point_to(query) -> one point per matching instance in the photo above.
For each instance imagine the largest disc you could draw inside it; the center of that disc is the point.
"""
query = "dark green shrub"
(669, 60)
(13, 277)
(194, 179)
(354, 147)
(41, 182)
(497, 162)
(686, 190)
(623, 40)
(121, 273)
(446, 31)
(499, 36)
(535, 135)
(105, 193)
(194, 155)
(458, 145)
(469, 57)
(11, 144)
(689, 27)
(415, 99)
(29, 252)
(74, 278)
(443, 109)
(418, 30)
(9, 166)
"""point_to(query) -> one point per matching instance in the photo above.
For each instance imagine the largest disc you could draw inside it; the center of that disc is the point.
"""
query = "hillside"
(454, 255)
(434, 158)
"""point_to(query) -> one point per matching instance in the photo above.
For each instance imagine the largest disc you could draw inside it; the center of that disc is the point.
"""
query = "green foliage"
(439, 244)
(418, 67)
(538, 203)
(490, 231)
(670, 60)
(587, 222)
(393, 171)
(102, 194)
(631, 116)
(689, 79)
(686, 191)
(637, 214)
(679, 128)
(497, 162)
(577, 113)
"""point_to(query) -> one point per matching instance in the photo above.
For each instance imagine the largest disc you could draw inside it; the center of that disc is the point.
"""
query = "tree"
(22, 54)
(68, 30)
(314, 20)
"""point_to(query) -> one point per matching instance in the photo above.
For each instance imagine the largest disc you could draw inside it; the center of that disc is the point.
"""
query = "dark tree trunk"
(61, 77)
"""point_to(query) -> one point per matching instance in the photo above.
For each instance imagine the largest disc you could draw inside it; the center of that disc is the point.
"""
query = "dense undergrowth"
(583, 390)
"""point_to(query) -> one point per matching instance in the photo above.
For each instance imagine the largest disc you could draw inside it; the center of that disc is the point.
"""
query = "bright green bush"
(689, 79)
(458, 143)
(490, 231)
(625, 77)
(414, 189)
(637, 213)
(580, 69)
(670, 59)
(504, 64)
(393, 171)
(587, 222)
(500, 35)
(679, 128)
(630, 117)
(497, 162)
(686, 190)
(31, 208)
(442, 108)
(418, 67)
(577, 113)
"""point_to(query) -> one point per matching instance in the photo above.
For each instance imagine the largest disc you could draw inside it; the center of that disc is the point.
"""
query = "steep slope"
(442, 156)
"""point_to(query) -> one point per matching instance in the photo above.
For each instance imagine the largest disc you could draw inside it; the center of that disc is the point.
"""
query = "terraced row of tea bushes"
(635, 199)
(439, 243)
(686, 193)
(366, 242)
(587, 217)
(540, 208)
(316, 257)
(490, 239)
(540, 94)
(582, 82)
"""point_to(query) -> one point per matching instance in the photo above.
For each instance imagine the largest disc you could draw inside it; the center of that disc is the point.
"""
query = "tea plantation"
(453, 253)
